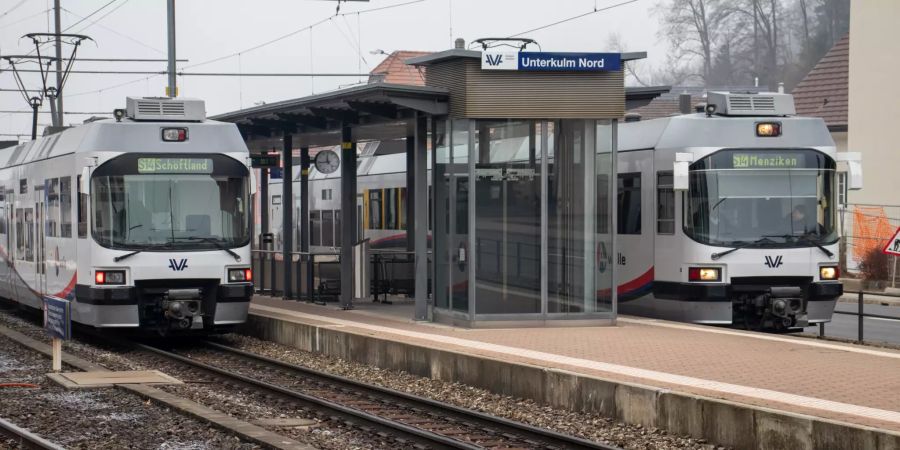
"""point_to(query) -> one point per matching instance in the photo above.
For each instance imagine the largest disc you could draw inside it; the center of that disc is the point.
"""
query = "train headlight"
(829, 272)
(704, 274)
(107, 277)
(240, 275)
(768, 129)
(174, 134)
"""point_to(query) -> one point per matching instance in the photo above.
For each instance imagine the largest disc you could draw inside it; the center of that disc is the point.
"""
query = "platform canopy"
(376, 111)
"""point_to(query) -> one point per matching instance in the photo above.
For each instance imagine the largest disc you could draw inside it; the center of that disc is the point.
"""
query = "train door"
(39, 227)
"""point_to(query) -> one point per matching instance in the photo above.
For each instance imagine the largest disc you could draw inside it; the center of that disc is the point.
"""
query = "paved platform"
(835, 381)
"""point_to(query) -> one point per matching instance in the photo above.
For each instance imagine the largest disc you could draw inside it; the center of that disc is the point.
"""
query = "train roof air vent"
(165, 109)
(752, 104)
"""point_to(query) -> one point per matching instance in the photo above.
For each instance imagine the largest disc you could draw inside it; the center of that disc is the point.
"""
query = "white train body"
(128, 226)
(773, 279)
(758, 216)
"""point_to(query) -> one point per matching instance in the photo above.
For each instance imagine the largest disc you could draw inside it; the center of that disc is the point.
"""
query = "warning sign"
(893, 245)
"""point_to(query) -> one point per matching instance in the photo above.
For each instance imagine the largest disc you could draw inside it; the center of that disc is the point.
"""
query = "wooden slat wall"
(475, 93)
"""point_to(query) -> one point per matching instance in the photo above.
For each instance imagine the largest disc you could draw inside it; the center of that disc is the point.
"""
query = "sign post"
(58, 325)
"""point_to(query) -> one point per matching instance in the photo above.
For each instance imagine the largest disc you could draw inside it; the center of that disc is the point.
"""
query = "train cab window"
(315, 228)
(390, 209)
(629, 203)
(665, 203)
(51, 220)
(82, 209)
(375, 210)
(65, 207)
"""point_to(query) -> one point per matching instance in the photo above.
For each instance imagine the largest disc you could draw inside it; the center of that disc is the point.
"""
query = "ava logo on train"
(178, 264)
(774, 262)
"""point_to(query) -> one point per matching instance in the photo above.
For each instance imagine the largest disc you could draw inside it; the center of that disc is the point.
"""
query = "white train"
(141, 222)
(724, 217)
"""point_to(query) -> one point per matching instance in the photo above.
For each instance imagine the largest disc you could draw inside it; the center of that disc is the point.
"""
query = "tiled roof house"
(824, 91)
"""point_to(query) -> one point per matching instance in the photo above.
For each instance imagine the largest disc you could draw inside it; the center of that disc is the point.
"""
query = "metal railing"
(316, 275)
(861, 314)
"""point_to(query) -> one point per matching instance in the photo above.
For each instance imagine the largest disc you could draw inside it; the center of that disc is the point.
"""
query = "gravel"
(96, 418)
(586, 425)
(329, 435)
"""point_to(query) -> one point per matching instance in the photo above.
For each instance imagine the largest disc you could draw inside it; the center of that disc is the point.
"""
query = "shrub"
(875, 266)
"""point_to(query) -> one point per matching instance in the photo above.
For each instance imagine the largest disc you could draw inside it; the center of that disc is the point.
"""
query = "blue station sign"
(550, 61)
(57, 317)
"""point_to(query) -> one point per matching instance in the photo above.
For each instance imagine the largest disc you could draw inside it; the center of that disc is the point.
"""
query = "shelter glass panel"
(507, 218)
(603, 280)
(459, 232)
(441, 236)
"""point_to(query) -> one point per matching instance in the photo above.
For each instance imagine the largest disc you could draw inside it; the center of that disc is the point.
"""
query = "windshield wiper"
(718, 255)
(806, 239)
(214, 242)
(127, 255)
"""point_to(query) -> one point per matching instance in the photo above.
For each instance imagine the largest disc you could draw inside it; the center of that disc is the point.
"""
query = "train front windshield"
(146, 202)
(762, 198)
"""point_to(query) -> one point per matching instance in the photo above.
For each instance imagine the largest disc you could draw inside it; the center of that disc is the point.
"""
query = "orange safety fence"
(871, 228)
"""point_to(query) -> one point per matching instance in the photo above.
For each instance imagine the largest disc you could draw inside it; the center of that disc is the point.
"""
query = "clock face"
(327, 161)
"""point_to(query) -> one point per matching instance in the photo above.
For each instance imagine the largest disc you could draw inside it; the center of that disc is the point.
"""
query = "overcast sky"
(209, 29)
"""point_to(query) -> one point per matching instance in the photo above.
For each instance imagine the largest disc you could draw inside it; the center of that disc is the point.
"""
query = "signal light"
(107, 277)
(768, 129)
(240, 275)
(174, 134)
(704, 274)
(829, 272)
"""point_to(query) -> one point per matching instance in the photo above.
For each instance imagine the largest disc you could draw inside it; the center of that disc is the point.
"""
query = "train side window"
(315, 229)
(51, 221)
(327, 194)
(328, 228)
(20, 233)
(23, 186)
(65, 207)
(401, 209)
(3, 225)
(603, 211)
(82, 209)
(375, 210)
(390, 209)
(337, 228)
(665, 203)
(629, 203)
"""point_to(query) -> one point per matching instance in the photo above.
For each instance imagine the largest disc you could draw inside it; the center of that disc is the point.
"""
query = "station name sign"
(550, 61)
(175, 165)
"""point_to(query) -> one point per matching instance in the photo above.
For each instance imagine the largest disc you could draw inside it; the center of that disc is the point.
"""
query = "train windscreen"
(762, 198)
(150, 201)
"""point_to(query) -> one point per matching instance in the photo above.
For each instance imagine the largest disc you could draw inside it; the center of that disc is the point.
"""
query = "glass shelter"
(521, 175)
(523, 220)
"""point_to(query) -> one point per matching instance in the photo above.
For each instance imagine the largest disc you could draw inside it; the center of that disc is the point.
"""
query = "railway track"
(423, 422)
(24, 438)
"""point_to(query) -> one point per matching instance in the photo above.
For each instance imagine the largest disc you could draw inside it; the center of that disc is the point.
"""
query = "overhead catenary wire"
(569, 19)
(117, 33)
(298, 31)
(207, 74)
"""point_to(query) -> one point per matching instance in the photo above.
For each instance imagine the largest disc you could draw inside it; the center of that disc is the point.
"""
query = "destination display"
(745, 160)
(175, 165)
(550, 61)
(764, 159)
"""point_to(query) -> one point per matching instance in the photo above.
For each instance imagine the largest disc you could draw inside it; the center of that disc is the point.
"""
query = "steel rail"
(434, 440)
(26, 438)
(529, 432)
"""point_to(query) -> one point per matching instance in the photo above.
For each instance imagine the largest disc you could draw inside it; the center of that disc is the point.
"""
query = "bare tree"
(692, 27)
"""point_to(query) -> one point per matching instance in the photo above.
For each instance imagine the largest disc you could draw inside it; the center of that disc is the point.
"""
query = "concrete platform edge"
(719, 421)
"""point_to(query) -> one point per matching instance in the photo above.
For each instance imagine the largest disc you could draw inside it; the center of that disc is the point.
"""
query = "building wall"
(874, 113)
(840, 140)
